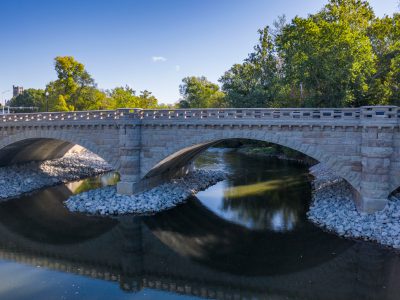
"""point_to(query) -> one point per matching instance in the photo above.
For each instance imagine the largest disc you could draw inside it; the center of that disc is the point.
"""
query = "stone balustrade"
(250, 113)
(325, 114)
(69, 116)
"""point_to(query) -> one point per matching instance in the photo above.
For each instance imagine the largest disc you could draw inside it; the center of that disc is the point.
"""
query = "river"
(247, 237)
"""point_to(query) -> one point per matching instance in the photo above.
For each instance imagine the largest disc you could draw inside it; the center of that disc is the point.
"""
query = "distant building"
(17, 90)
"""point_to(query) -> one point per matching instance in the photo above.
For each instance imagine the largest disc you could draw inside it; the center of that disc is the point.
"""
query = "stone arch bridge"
(362, 145)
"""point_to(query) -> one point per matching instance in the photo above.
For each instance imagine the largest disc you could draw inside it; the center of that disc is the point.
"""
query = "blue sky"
(148, 44)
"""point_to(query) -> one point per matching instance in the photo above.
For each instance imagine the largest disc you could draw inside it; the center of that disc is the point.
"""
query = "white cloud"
(177, 68)
(158, 58)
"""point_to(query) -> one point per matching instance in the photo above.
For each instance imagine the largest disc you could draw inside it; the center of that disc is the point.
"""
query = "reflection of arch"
(196, 232)
(178, 154)
(114, 256)
(41, 218)
(46, 144)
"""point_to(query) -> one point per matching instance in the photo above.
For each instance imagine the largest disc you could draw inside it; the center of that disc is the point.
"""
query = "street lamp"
(47, 100)
(2, 93)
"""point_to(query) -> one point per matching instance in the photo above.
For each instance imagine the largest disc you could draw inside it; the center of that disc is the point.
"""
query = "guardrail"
(366, 113)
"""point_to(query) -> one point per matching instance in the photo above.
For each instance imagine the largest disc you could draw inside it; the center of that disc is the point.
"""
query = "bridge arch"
(178, 154)
(48, 144)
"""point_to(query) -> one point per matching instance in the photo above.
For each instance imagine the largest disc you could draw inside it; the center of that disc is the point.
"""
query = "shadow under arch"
(195, 232)
(45, 145)
(180, 155)
(394, 186)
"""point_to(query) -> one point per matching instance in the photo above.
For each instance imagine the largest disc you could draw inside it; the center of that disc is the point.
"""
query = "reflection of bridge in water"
(191, 251)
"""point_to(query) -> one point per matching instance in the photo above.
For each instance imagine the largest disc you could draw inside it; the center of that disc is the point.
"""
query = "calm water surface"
(244, 238)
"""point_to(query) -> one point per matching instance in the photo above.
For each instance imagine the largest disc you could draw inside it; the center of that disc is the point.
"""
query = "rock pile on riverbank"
(334, 209)
(106, 201)
(323, 176)
(19, 179)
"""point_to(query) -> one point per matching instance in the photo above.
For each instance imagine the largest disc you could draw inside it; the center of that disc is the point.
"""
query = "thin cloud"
(177, 68)
(158, 58)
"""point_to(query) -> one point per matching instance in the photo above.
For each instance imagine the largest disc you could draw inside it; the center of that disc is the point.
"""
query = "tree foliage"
(341, 56)
(75, 89)
(126, 97)
(30, 98)
(327, 57)
(255, 83)
(385, 38)
(198, 92)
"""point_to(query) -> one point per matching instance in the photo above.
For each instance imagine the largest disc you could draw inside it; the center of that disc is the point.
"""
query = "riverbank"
(17, 180)
(106, 201)
(268, 152)
(333, 208)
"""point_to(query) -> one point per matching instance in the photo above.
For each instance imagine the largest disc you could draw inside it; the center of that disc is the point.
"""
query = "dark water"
(245, 238)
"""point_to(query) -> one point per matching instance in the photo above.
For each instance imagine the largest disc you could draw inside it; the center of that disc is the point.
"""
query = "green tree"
(60, 104)
(30, 98)
(74, 88)
(358, 14)
(256, 82)
(385, 38)
(91, 98)
(328, 57)
(125, 97)
(341, 56)
(56, 98)
(198, 92)
(147, 100)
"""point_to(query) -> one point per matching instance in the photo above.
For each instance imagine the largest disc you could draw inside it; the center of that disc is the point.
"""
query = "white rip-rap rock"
(334, 209)
(106, 201)
(16, 180)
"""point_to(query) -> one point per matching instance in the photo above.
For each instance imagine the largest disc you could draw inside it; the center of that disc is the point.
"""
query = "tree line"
(342, 56)
(75, 90)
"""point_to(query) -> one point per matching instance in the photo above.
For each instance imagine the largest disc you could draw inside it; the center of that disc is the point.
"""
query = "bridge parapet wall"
(250, 113)
(66, 117)
(370, 113)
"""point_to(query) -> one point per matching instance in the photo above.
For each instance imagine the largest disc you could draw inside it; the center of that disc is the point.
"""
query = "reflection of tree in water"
(266, 193)
(207, 158)
(110, 178)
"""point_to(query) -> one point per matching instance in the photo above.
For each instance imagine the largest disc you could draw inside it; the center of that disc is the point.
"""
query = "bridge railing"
(380, 112)
(247, 113)
(363, 113)
(65, 116)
